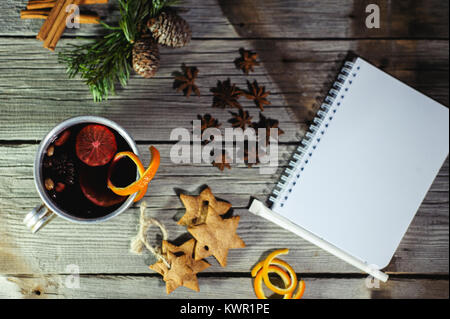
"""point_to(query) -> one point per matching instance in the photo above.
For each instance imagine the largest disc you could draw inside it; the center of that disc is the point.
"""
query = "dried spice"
(216, 237)
(242, 119)
(258, 94)
(61, 169)
(183, 268)
(46, 4)
(55, 23)
(226, 94)
(197, 207)
(267, 124)
(49, 184)
(60, 187)
(50, 151)
(222, 161)
(208, 122)
(247, 61)
(185, 81)
(83, 18)
(60, 141)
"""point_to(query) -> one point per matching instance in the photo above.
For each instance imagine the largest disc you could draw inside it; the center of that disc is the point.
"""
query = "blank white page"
(372, 167)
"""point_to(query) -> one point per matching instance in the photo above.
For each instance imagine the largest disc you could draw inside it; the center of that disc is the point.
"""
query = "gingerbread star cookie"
(183, 268)
(197, 207)
(216, 237)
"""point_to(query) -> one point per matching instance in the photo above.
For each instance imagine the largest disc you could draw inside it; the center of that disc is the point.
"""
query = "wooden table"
(301, 44)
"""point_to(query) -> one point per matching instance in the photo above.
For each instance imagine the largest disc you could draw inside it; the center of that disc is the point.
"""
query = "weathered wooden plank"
(17, 163)
(330, 19)
(104, 248)
(275, 19)
(32, 104)
(152, 287)
(43, 95)
(197, 13)
(305, 71)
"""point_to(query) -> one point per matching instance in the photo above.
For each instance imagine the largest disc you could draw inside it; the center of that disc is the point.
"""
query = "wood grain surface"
(302, 45)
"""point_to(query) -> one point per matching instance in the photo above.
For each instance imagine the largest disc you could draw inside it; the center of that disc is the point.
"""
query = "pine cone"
(146, 57)
(170, 29)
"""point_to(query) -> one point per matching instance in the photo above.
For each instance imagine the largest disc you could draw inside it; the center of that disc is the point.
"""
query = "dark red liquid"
(64, 167)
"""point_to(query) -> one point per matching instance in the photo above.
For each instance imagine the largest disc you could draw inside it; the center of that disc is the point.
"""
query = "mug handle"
(38, 218)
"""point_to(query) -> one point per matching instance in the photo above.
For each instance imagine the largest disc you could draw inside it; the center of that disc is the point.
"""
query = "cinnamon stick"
(46, 4)
(55, 23)
(50, 21)
(43, 14)
(34, 14)
(59, 26)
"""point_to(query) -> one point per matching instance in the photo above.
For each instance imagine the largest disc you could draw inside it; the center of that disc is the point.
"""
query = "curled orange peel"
(265, 273)
(273, 265)
(301, 290)
(277, 262)
(145, 176)
(259, 280)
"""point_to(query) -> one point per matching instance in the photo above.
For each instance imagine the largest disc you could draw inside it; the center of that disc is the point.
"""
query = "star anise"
(241, 119)
(267, 124)
(222, 161)
(207, 121)
(186, 81)
(226, 94)
(247, 61)
(257, 94)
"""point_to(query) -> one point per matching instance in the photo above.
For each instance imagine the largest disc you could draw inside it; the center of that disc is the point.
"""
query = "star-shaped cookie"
(183, 268)
(197, 207)
(216, 237)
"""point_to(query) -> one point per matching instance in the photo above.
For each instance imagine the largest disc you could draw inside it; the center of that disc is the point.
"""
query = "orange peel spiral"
(259, 280)
(273, 265)
(145, 176)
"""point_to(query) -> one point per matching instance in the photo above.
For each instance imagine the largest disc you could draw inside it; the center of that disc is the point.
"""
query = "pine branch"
(158, 5)
(100, 64)
(107, 61)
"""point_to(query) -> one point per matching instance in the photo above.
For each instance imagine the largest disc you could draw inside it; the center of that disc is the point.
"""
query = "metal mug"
(42, 214)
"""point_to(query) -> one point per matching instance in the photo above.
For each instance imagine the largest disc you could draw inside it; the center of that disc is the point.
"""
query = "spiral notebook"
(360, 175)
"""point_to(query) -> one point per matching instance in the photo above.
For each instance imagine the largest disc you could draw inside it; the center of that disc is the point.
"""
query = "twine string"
(141, 240)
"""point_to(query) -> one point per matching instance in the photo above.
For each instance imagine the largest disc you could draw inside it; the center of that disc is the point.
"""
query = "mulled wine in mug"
(71, 172)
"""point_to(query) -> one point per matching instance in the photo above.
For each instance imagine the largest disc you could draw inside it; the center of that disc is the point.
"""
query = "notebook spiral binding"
(322, 115)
